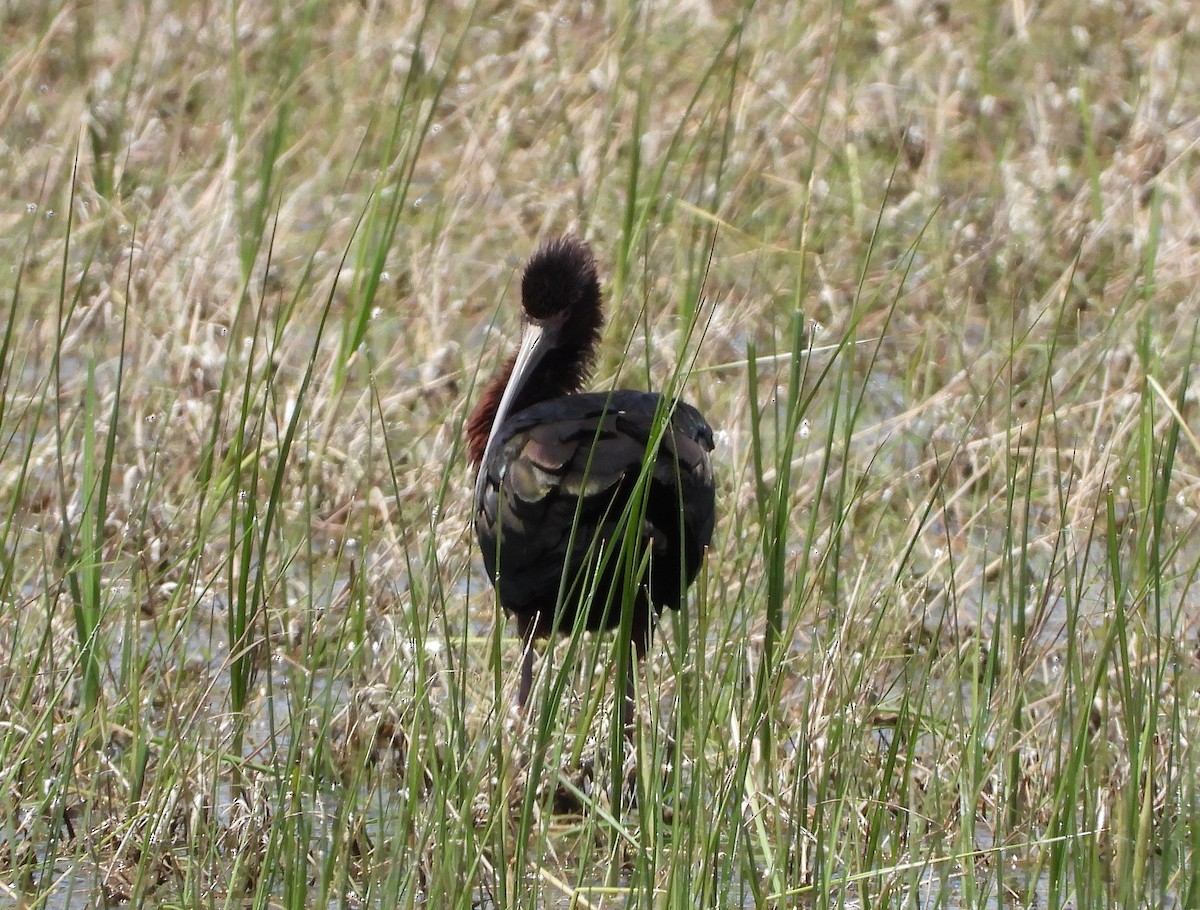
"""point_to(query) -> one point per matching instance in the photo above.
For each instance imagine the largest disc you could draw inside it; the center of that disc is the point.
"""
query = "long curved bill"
(535, 342)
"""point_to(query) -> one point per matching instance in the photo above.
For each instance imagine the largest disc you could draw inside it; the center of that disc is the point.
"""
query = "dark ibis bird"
(585, 503)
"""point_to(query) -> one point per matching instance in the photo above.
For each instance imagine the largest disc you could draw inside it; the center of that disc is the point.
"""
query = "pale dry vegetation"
(930, 269)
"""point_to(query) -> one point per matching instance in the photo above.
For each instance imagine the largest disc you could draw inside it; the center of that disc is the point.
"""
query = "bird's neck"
(561, 372)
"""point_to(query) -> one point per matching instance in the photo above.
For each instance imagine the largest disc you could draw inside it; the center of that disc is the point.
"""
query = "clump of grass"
(928, 270)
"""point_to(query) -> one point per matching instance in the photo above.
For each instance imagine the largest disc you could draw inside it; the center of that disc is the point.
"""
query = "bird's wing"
(556, 485)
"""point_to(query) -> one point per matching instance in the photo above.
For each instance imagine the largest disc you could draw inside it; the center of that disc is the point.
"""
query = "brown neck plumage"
(480, 423)
(561, 293)
(561, 372)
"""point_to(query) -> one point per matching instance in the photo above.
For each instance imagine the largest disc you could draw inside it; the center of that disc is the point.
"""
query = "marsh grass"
(929, 270)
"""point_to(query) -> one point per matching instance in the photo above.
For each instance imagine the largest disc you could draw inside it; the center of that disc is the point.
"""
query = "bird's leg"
(526, 677)
(526, 629)
(640, 640)
(628, 708)
(624, 779)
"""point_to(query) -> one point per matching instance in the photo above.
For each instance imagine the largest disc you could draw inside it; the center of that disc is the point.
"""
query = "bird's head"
(563, 316)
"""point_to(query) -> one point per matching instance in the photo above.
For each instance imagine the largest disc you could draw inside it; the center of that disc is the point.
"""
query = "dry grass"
(258, 259)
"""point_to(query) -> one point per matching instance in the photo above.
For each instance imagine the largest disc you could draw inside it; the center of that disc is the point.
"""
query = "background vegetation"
(929, 268)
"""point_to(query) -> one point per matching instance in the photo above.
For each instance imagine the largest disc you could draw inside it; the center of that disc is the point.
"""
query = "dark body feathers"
(561, 485)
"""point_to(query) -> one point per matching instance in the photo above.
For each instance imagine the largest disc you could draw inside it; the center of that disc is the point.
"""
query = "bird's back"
(560, 485)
